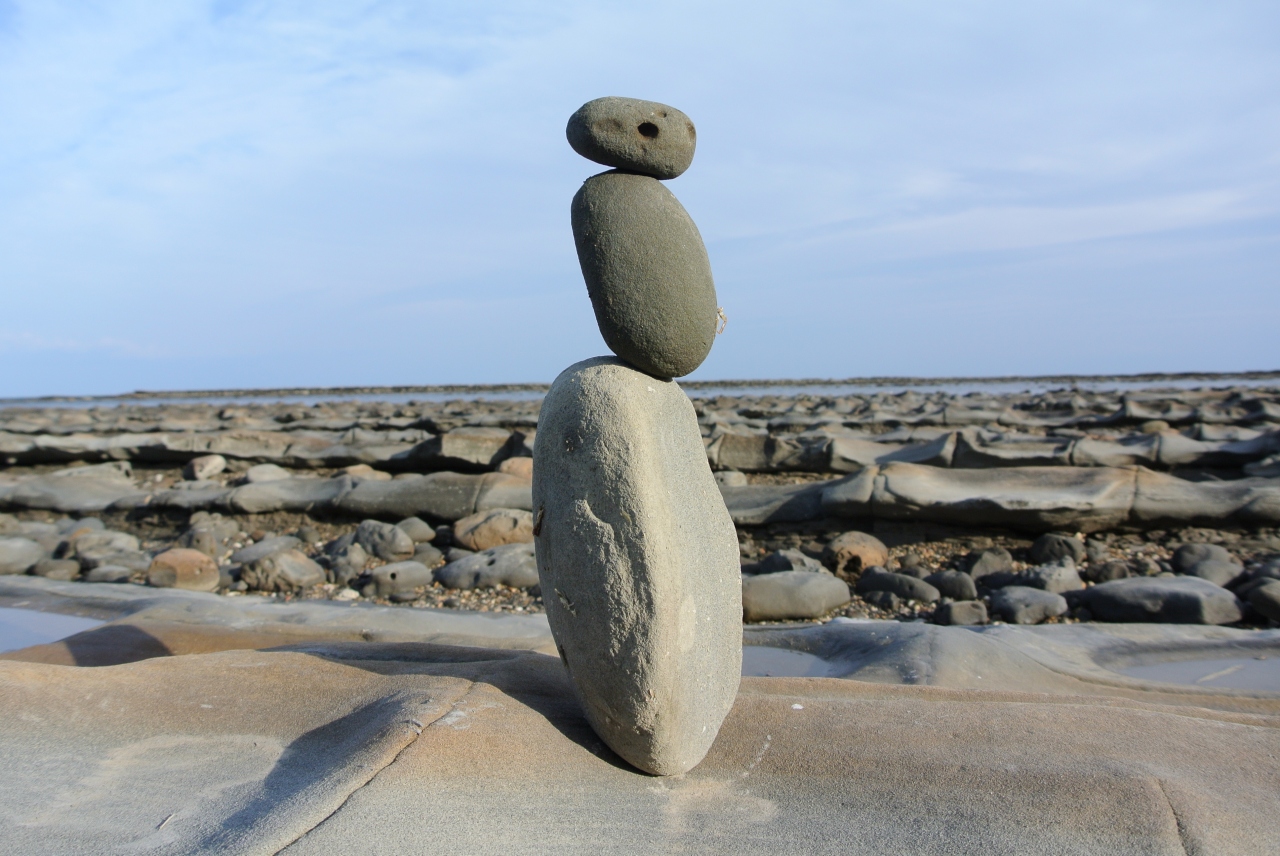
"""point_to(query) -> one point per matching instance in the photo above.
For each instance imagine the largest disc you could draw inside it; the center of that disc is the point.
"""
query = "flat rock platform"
(193, 723)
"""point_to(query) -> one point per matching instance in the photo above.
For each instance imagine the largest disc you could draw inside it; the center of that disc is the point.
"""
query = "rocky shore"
(1058, 506)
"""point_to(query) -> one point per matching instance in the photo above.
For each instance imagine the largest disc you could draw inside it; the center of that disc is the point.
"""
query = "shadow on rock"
(109, 645)
(537, 681)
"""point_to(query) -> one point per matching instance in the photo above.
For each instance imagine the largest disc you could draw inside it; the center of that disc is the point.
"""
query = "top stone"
(634, 135)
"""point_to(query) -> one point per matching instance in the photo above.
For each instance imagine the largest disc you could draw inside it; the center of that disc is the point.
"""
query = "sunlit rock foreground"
(193, 723)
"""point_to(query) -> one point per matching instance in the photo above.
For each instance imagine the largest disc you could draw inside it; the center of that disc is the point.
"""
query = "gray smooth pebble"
(639, 136)
(647, 273)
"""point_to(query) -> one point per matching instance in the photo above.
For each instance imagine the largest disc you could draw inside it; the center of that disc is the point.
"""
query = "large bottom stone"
(638, 561)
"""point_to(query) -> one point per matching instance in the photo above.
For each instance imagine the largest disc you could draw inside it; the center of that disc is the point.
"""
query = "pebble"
(953, 584)
(1266, 599)
(384, 540)
(265, 547)
(185, 569)
(647, 273)
(1058, 577)
(260, 473)
(1024, 605)
(511, 565)
(905, 587)
(418, 530)
(962, 612)
(1053, 546)
(57, 569)
(19, 555)
(204, 467)
(493, 528)
(635, 135)
(397, 578)
(1176, 599)
(284, 571)
(792, 595)
(850, 553)
(788, 560)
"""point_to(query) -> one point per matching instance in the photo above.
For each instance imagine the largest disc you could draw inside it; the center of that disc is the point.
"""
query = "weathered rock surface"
(508, 565)
(1024, 605)
(647, 274)
(1180, 600)
(494, 528)
(284, 571)
(639, 563)
(185, 569)
(417, 529)
(788, 560)
(851, 553)
(204, 467)
(399, 577)
(492, 731)
(956, 585)
(902, 585)
(384, 540)
(791, 595)
(1058, 577)
(961, 612)
(639, 136)
(19, 555)
(1053, 546)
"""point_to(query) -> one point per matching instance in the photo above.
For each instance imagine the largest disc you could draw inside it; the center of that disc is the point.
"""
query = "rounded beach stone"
(639, 563)
(635, 135)
(851, 553)
(647, 273)
(792, 594)
(493, 528)
(185, 569)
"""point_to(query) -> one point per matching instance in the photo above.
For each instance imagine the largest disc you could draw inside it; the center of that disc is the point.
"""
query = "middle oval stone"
(647, 273)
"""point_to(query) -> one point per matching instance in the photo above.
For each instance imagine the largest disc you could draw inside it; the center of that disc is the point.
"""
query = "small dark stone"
(1053, 546)
(1107, 571)
(788, 560)
(905, 587)
(993, 560)
(963, 612)
(1023, 605)
(955, 585)
(1189, 555)
(886, 600)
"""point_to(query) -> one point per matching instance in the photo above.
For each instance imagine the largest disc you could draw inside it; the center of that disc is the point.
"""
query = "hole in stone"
(392, 575)
(648, 129)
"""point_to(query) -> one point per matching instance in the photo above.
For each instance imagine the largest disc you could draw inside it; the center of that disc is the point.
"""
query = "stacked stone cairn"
(637, 555)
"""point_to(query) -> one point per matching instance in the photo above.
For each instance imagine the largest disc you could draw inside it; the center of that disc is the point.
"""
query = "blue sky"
(247, 194)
